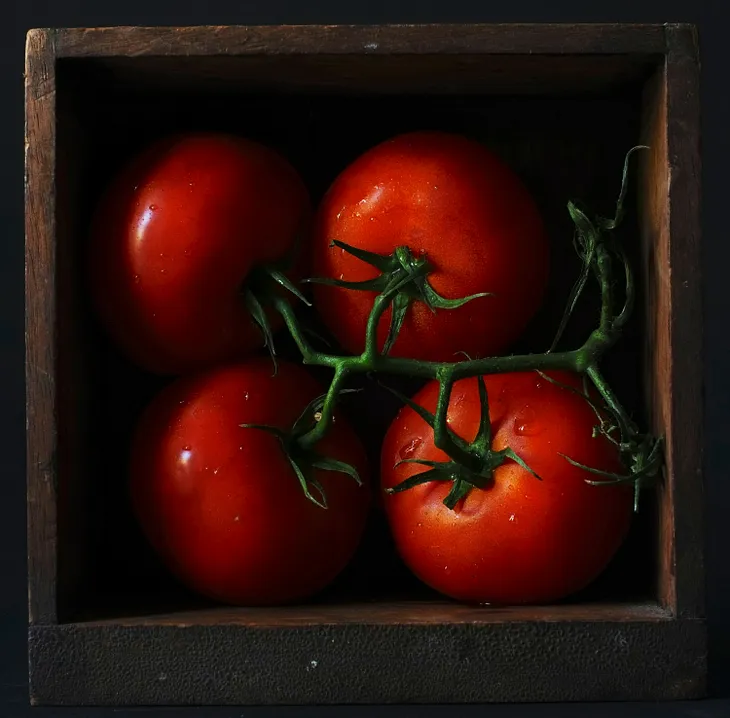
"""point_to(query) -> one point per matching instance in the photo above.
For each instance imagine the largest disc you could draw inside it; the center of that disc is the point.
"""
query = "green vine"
(403, 280)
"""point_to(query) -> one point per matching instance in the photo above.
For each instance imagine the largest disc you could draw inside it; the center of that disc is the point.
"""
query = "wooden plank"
(560, 39)
(396, 613)
(653, 198)
(685, 447)
(40, 315)
(363, 663)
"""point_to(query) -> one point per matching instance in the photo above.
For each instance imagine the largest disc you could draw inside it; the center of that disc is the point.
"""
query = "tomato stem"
(404, 279)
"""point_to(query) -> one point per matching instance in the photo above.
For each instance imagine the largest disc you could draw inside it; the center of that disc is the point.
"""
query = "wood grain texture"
(686, 401)
(397, 612)
(670, 198)
(656, 275)
(561, 39)
(363, 663)
(40, 324)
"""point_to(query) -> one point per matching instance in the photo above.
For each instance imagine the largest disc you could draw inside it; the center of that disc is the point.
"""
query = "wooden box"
(563, 103)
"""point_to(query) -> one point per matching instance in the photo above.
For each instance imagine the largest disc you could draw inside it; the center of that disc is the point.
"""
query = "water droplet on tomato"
(163, 271)
(245, 396)
(342, 276)
(526, 423)
(136, 279)
(153, 207)
(410, 448)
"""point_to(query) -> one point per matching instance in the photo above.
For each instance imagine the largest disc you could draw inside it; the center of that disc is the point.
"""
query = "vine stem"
(582, 360)
(406, 272)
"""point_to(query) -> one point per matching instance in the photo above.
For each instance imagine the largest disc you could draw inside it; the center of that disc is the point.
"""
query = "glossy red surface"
(520, 539)
(452, 200)
(174, 240)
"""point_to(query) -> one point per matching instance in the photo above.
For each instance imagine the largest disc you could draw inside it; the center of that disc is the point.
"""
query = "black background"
(713, 19)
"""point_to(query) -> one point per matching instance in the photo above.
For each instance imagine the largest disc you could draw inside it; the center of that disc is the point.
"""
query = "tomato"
(519, 539)
(448, 198)
(222, 505)
(174, 240)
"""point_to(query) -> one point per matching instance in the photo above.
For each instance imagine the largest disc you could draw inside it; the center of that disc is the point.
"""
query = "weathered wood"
(686, 383)
(514, 39)
(397, 612)
(670, 195)
(654, 226)
(40, 325)
(320, 664)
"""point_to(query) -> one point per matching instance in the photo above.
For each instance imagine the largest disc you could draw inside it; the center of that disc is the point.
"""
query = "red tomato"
(451, 199)
(222, 505)
(174, 240)
(519, 540)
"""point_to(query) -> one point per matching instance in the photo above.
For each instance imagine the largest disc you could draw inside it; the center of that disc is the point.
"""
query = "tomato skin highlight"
(519, 540)
(174, 239)
(451, 199)
(222, 505)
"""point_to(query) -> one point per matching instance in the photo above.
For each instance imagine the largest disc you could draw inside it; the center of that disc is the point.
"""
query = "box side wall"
(40, 325)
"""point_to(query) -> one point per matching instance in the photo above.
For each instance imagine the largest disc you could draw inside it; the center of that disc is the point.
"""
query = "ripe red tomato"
(519, 540)
(174, 240)
(451, 199)
(222, 505)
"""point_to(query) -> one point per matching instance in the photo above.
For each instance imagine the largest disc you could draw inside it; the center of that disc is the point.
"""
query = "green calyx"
(262, 285)
(403, 277)
(305, 460)
(472, 463)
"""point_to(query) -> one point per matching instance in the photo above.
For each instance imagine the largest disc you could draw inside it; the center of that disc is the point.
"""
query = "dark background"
(712, 17)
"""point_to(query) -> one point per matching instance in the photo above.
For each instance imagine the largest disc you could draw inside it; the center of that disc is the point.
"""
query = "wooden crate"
(562, 103)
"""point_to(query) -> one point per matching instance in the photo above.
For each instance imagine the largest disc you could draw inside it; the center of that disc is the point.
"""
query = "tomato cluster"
(191, 245)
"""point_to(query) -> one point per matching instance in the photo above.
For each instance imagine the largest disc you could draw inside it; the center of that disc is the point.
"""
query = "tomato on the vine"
(174, 241)
(450, 199)
(519, 539)
(222, 504)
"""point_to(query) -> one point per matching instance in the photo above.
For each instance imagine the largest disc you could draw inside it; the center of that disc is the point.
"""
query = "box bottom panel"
(236, 659)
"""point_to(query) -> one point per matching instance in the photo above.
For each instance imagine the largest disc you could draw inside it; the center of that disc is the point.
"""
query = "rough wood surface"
(670, 197)
(397, 612)
(561, 39)
(654, 220)
(40, 324)
(685, 399)
(363, 663)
